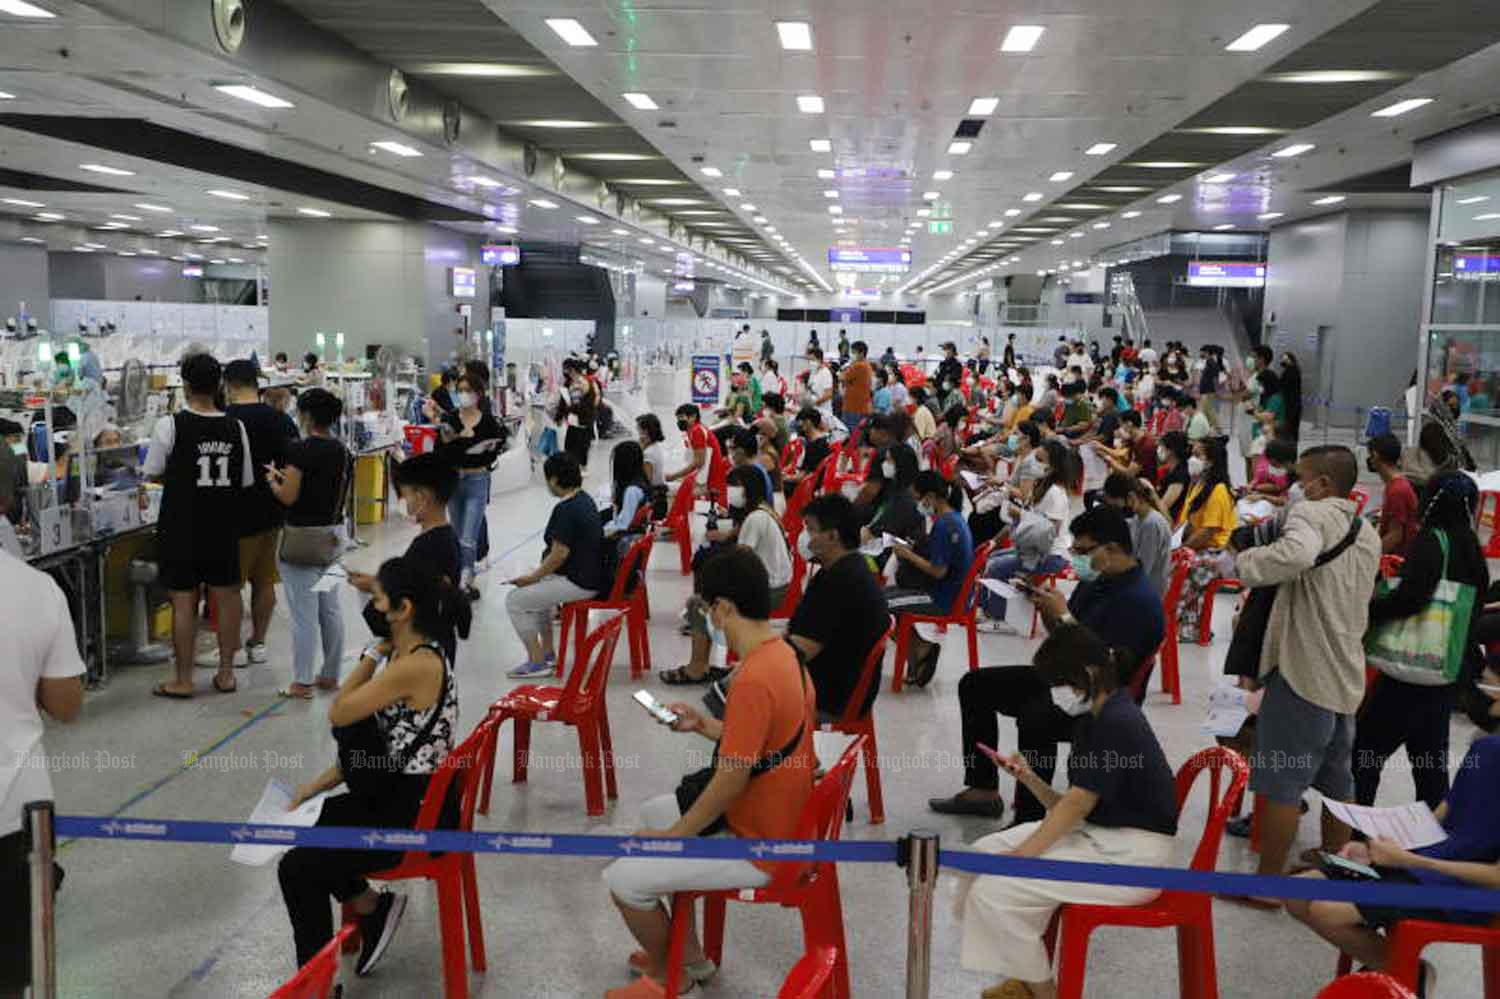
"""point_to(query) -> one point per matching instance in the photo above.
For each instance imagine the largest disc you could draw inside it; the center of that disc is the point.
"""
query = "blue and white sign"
(1226, 274)
(861, 260)
(706, 379)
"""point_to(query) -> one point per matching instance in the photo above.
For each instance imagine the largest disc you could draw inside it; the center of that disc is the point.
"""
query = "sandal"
(680, 677)
(297, 691)
(160, 690)
(233, 685)
(328, 684)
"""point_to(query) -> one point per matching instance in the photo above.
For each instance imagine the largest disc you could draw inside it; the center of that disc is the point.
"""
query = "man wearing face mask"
(1115, 601)
(950, 371)
(843, 613)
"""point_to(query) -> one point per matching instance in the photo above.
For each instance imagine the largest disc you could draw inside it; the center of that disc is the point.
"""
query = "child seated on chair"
(1120, 809)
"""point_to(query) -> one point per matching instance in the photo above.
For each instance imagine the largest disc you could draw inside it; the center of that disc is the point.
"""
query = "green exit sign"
(940, 227)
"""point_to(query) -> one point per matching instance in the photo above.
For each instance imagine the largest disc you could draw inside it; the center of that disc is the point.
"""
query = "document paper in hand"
(1409, 826)
(271, 810)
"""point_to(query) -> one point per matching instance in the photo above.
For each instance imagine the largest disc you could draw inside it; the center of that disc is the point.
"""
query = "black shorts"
(188, 564)
(1383, 917)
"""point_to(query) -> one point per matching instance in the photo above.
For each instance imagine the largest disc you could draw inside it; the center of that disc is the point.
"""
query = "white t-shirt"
(164, 438)
(1056, 507)
(762, 535)
(39, 643)
(820, 383)
(656, 457)
(1147, 355)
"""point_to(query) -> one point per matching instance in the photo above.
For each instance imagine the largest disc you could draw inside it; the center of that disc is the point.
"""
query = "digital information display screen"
(464, 283)
(1225, 274)
(858, 260)
(495, 255)
(1476, 267)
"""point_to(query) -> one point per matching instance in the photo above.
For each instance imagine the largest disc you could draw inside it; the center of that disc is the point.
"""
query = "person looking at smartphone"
(1120, 808)
(760, 779)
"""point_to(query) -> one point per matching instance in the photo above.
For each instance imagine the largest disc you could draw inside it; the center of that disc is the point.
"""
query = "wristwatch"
(373, 653)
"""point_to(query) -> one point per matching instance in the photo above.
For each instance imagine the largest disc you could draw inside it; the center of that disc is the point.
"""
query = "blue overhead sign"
(861, 260)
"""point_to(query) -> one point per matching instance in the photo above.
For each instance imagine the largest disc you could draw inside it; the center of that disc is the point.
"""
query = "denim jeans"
(313, 614)
(466, 511)
(1005, 567)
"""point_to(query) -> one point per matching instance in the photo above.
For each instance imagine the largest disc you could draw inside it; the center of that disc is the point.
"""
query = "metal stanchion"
(918, 853)
(40, 846)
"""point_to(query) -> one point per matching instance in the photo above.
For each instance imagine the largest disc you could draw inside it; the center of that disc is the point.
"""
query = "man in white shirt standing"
(41, 671)
(820, 385)
(1147, 354)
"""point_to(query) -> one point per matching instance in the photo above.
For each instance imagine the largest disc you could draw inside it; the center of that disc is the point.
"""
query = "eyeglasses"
(1084, 551)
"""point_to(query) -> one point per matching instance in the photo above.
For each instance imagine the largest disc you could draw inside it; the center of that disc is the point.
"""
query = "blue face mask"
(1083, 567)
(1013, 442)
(716, 634)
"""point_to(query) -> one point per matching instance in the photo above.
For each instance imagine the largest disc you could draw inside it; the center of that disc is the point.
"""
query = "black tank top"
(202, 481)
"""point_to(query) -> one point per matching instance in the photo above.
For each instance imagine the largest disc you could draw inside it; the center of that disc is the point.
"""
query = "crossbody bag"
(318, 545)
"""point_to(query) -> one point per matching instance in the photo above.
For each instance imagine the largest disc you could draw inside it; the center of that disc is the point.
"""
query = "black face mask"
(682, 425)
(379, 626)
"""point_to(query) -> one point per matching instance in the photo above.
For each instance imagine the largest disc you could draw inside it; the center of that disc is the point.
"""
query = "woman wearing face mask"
(312, 485)
(754, 525)
(771, 380)
(947, 432)
(896, 510)
(581, 410)
(1062, 476)
(1270, 479)
(881, 401)
(1120, 808)
(929, 582)
(394, 721)
(472, 439)
(900, 397)
(1209, 518)
(1172, 476)
(629, 488)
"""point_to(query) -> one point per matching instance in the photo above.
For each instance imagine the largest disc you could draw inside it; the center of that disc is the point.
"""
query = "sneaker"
(377, 928)
(987, 808)
(996, 626)
(256, 653)
(529, 669)
(1238, 827)
(209, 659)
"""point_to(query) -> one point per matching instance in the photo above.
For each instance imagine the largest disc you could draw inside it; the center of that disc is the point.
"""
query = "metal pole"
(921, 879)
(40, 845)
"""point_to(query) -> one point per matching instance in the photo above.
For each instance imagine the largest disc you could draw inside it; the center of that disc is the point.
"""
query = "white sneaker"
(256, 653)
(209, 658)
(996, 626)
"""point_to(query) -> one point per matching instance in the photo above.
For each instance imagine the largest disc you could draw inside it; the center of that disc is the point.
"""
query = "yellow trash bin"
(369, 489)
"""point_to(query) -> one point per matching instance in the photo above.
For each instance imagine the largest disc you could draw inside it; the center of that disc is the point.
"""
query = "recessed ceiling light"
(641, 102)
(1221, 228)
(169, 233)
(148, 207)
(620, 232)
(1022, 38)
(982, 106)
(1061, 176)
(1476, 199)
(1101, 225)
(924, 212)
(586, 219)
(830, 194)
(644, 241)
(1334, 76)
(1297, 149)
(711, 172)
(1256, 37)
(1331, 199)
(1167, 199)
(254, 95)
(204, 228)
(20, 8)
(820, 145)
(931, 195)
(796, 36)
(747, 207)
(315, 213)
(1056, 242)
(1011, 213)
(810, 104)
(1267, 216)
(1075, 235)
(23, 203)
(959, 148)
(1130, 215)
(1219, 178)
(229, 195)
(1100, 149)
(570, 31)
(542, 203)
(1401, 107)
(835, 210)
(942, 175)
(762, 220)
(825, 174)
(1033, 196)
(111, 171)
(398, 148)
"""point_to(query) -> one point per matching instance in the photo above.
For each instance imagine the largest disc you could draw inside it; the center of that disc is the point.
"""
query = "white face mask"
(466, 400)
(804, 547)
(1070, 701)
(888, 469)
(1294, 494)
(736, 496)
(925, 509)
(1161, 455)
(1195, 466)
(406, 510)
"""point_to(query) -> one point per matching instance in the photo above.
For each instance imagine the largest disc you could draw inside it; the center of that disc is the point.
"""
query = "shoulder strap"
(1442, 537)
(768, 763)
(425, 736)
(1343, 545)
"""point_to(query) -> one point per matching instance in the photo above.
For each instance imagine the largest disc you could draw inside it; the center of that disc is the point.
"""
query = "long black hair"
(1291, 393)
(1065, 658)
(1215, 475)
(438, 609)
(1064, 468)
(627, 468)
(750, 479)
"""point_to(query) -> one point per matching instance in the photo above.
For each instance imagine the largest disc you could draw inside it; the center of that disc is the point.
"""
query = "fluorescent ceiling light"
(254, 95)
(747, 207)
(491, 70)
(20, 8)
(398, 148)
(1100, 149)
(641, 102)
(1296, 149)
(620, 232)
(931, 195)
(1167, 199)
(1075, 235)
(123, 218)
(32, 239)
(820, 145)
(1256, 37)
(1130, 215)
(675, 201)
(571, 31)
(1476, 199)
(204, 228)
(1236, 130)
(825, 174)
(647, 242)
(1332, 199)
(586, 219)
(1164, 165)
(169, 233)
(1033, 196)
(1061, 176)
(148, 207)
(100, 168)
(1011, 213)
(712, 172)
(1219, 178)
(315, 213)
(1267, 216)
(610, 157)
(959, 147)
(229, 195)
(796, 36)
(1334, 76)
(23, 203)
(762, 220)
(542, 203)
(1101, 225)
(560, 123)
(1022, 38)
(10, 97)
(810, 104)
(127, 253)
(830, 194)
(1486, 217)
(1221, 228)
(923, 212)
(981, 106)
(1056, 242)
(835, 210)
(1401, 107)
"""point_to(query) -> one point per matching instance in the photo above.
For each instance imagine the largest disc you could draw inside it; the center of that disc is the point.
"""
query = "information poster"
(706, 379)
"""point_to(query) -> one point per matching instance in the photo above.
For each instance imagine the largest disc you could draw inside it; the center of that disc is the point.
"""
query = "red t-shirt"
(700, 438)
(1145, 456)
(1400, 510)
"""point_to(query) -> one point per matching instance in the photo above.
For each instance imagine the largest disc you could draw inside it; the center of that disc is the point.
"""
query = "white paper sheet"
(970, 479)
(1228, 708)
(1255, 509)
(271, 810)
(1095, 471)
(1178, 535)
(1409, 826)
(1002, 589)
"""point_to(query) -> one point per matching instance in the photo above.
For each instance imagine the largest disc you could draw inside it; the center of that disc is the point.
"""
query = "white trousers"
(642, 882)
(1004, 919)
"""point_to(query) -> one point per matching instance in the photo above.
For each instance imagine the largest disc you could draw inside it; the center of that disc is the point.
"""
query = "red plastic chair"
(314, 980)
(580, 704)
(1492, 547)
(718, 478)
(452, 873)
(811, 887)
(1390, 565)
(1190, 912)
(1206, 616)
(642, 517)
(1171, 676)
(791, 455)
(949, 467)
(1366, 985)
(854, 723)
(1409, 937)
(679, 519)
(1046, 581)
(801, 496)
(1361, 500)
(811, 977)
(962, 615)
(575, 615)
(794, 588)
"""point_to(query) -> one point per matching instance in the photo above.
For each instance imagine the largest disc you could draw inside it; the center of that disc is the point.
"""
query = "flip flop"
(680, 677)
(160, 690)
(222, 689)
(299, 695)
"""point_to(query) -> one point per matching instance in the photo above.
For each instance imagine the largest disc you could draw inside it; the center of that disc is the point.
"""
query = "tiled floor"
(144, 920)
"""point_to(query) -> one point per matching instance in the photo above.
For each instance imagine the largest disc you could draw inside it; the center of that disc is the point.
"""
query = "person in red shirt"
(762, 773)
(702, 446)
(1399, 516)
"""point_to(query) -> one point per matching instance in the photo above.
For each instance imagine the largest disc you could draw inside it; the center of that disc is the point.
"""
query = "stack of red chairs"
(314, 980)
(575, 615)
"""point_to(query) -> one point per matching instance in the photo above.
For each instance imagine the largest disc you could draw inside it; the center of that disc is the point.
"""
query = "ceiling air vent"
(968, 128)
(229, 24)
(397, 95)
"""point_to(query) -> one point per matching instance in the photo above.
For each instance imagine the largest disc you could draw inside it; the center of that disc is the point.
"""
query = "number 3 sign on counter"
(57, 529)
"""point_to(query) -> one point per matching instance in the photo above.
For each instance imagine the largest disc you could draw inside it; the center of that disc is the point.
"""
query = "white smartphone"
(655, 708)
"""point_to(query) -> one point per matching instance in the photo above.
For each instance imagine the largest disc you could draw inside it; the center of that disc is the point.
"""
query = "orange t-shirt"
(859, 386)
(766, 703)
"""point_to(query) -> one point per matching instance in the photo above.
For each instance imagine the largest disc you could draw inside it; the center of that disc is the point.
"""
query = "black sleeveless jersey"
(202, 485)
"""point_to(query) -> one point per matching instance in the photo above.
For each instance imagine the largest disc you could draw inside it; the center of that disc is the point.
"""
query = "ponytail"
(438, 608)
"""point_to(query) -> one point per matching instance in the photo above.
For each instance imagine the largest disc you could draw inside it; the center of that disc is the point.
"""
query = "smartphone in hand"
(656, 709)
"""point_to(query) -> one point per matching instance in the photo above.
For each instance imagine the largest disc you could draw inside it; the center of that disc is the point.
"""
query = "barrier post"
(40, 844)
(918, 853)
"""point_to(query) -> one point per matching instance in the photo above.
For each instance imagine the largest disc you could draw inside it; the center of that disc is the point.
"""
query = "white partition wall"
(158, 332)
